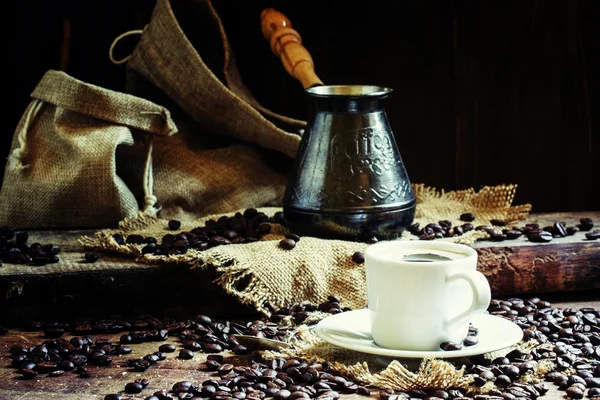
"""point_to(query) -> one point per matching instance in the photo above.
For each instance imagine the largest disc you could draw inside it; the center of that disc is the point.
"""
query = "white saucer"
(351, 330)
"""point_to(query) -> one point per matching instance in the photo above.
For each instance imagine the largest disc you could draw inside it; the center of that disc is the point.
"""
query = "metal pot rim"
(348, 91)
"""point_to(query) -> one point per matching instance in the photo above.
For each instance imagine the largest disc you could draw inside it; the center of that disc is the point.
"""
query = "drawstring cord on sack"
(117, 40)
(15, 159)
(150, 199)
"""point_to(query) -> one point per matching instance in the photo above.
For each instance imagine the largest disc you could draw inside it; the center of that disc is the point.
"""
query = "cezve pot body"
(348, 181)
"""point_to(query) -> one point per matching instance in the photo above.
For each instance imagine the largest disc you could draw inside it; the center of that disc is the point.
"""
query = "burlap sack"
(219, 160)
(61, 171)
(316, 268)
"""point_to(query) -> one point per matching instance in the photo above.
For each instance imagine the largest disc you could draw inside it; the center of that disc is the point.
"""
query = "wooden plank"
(564, 264)
(119, 285)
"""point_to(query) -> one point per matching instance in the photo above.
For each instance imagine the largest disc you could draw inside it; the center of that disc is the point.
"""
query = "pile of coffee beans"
(278, 379)
(15, 250)
(245, 227)
(199, 334)
(498, 232)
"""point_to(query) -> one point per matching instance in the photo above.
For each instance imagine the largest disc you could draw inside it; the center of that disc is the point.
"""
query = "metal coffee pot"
(348, 180)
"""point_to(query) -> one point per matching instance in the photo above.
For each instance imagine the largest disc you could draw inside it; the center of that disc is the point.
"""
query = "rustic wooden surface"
(564, 264)
(122, 286)
(163, 375)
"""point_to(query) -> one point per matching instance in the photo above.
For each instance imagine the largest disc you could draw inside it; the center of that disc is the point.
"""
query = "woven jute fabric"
(223, 157)
(62, 166)
(404, 375)
(428, 373)
(316, 268)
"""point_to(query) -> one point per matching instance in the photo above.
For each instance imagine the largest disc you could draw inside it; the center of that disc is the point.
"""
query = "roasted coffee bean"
(498, 237)
(167, 348)
(66, 365)
(450, 346)
(540, 237)
(91, 257)
(133, 387)
(593, 235)
(174, 224)
(571, 230)
(513, 234)
(186, 354)
(497, 222)
(113, 396)
(467, 217)
(575, 393)
(559, 229)
(28, 373)
(135, 239)
(470, 341)
(358, 257)
(83, 372)
(585, 224)
(287, 244)
(150, 248)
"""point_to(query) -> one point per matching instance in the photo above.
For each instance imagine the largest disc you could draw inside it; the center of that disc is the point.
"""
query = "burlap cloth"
(316, 268)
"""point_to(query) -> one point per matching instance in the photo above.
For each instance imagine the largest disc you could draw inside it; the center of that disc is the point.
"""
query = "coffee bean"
(585, 224)
(133, 387)
(427, 236)
(58, 372)
(559, 229)
(287, 244)
(450, 346)
(134, 239)
(593, 235)
(91, 257)
(167, 348)
(467, 217)
(358, 257)
(513, 234)
(174, 224)
(541, 237)
(498, 222)
(28, 373)
(186, 354)
(470, 341)
(575, 393)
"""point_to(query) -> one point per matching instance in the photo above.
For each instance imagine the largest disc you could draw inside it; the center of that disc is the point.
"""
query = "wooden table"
(113, 379)
(565, 272)
(516, 267)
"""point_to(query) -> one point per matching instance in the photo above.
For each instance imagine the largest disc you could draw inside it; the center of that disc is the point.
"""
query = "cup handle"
(481, 294)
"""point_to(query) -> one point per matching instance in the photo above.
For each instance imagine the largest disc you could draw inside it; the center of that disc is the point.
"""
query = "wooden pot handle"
(286, 44)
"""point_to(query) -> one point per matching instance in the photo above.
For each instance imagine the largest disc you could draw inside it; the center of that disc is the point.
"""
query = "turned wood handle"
(286, 44)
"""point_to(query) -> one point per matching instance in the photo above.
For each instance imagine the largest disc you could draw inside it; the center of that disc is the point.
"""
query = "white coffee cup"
(423, 294)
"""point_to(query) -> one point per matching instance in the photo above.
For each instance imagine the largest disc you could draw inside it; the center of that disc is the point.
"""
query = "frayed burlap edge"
(238, 277)
(432, 373)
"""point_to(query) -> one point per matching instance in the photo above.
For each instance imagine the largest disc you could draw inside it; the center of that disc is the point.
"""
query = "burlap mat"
(316, 268)
(404, 375)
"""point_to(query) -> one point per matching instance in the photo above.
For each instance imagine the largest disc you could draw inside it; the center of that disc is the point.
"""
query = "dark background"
(485, 92)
